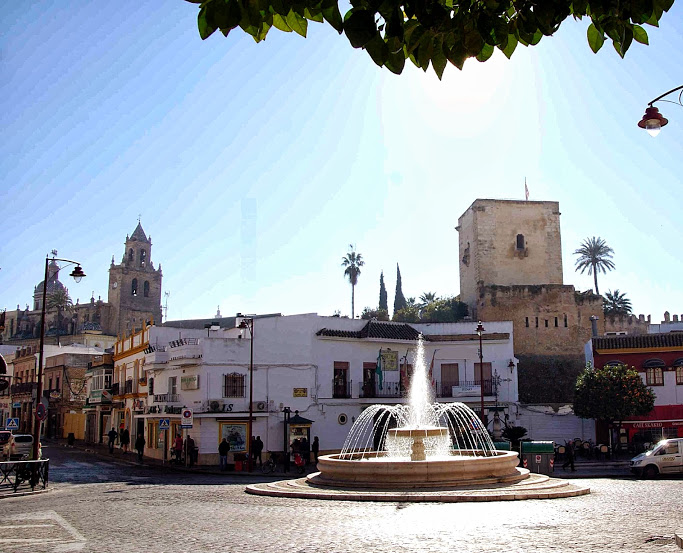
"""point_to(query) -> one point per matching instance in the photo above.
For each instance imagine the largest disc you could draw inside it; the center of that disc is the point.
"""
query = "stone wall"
(548, 378)
(630, 324)
(506, 242)
(548, 319)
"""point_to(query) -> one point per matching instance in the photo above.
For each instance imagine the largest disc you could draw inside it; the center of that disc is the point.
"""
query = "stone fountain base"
(379, 472)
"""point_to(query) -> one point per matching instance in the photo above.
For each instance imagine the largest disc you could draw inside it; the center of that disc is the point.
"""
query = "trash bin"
(538, 456)
(71, 438)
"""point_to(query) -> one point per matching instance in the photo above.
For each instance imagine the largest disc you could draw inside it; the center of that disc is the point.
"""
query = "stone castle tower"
(135, 285)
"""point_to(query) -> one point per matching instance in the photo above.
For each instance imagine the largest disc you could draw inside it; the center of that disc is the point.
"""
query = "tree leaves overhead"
(437, 32)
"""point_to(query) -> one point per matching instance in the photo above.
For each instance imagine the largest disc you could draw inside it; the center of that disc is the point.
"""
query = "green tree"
(407, 314)
(370, 313)
(61, 301)
(426, 298)
(438, 32)
(399, 298)
(615, 303)
(353, 261)
(383, 303)
(444, 310)
(596, 256)
(611, 394)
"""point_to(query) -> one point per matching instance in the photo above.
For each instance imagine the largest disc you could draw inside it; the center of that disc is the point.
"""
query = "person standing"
(223, 449)
(189, 450)
(125, 440)
(140, 446)
(569, 452)
(315, 447)
(112, 435)
(258, 450)
(178, 448)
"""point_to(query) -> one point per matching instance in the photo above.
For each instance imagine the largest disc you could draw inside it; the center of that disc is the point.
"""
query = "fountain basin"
(378, 471)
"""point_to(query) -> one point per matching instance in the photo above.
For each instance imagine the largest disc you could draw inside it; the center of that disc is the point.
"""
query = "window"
(520, 241)
(654, 376)
(233, 385)
(146, 289)
(565, 321)
(143, 258)
(557, 322)
(131, 255)
(526, 321)
(679, 375)
(50, 386)
(450, 376)
(172, 384)
(369, 368)
(536, 322)
(341, 385)
(487, 377)
(546, 323)
(150, 386)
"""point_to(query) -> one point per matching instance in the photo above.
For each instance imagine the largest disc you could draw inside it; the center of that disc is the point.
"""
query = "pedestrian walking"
(112, 435)
(569, 461)
(178, 448)
(140, 446)
(189, 450)
(315, 447)
(223, 449)
(125, 440)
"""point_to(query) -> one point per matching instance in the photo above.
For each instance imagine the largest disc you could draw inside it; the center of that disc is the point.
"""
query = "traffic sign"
(164, 424)
(186, 418)
(41, 413)
(12, 424)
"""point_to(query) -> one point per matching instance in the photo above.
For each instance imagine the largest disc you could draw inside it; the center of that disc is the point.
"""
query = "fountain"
(418, 445)
(420, 451)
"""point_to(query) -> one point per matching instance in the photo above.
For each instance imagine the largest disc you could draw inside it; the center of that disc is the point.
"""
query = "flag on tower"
(526, 190)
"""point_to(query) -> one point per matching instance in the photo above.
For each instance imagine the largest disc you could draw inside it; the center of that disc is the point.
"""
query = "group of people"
(123, 438)
(188, 446)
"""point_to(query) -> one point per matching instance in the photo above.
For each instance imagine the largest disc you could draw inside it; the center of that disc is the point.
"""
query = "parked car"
(20, 447)
(665, 457)
(4, 443)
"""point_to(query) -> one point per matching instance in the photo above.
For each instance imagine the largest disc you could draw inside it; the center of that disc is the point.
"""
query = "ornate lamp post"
(77, 274)
(653, 121)
(480, 329)
(248, 323)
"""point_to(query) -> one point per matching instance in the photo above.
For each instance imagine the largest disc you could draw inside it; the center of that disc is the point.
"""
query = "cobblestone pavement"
(103, 505)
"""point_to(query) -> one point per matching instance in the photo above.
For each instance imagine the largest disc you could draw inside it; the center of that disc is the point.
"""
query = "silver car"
(20, 447)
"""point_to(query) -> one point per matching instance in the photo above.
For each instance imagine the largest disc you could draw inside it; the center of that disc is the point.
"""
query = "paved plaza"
(104, 505)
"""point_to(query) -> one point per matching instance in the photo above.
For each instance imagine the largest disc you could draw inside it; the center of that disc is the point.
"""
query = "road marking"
(70, 539)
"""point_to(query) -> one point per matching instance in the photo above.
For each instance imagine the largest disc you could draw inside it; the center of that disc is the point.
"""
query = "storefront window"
(654, 377)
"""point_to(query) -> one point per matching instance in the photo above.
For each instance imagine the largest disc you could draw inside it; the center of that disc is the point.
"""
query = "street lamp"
(77, 274)
(653, 121)
(480, 329)
(248, 323)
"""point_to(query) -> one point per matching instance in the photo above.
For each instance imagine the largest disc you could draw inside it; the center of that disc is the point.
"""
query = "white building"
(320, 371)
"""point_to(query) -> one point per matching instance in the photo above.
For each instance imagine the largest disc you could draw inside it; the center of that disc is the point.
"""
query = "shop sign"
(16, 405)
(300, 392)
(189, 382)
(55, 394)
(648, 425)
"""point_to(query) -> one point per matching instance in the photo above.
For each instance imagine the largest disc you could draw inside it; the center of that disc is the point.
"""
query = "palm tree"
(594, 255)
(60, 300)
(616, 303)
(353, 262)
(427, 298)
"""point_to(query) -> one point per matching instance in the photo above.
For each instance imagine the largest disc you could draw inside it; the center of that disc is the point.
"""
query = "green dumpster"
(538, 456)
(502, 446)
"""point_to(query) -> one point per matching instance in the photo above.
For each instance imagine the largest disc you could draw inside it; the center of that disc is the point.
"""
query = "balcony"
(371, 389)
(464, 388)
(341, 388)
(24, 387)
(128, 387)
(114, 389)
(166, 398)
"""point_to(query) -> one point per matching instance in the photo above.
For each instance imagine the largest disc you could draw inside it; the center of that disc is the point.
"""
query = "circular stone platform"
(536, 486)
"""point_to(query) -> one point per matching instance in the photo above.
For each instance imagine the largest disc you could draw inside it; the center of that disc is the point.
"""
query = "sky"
(253, 167)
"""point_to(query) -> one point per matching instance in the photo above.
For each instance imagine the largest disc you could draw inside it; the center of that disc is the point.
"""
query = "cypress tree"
(383, 304)
(399, 298)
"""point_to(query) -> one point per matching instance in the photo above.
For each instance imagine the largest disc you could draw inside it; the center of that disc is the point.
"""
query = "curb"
(679, 539)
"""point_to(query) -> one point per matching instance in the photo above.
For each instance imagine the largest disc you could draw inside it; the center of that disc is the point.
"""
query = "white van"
(665, 457)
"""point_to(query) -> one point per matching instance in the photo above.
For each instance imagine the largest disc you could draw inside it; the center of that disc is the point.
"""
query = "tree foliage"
(437, 32)
(60, 300)
(612, 393)
(596, 256)
(383, 298)
(616, 303)
(444, 310)
(399, 298)
(352, 262)
(370, 313)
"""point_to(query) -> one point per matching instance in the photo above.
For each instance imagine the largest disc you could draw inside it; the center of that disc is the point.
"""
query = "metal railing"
(24, 387)
(184, 342)
(166, 398)
(464, 388)
(15, 473)
(372, 389)
(341, 389)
